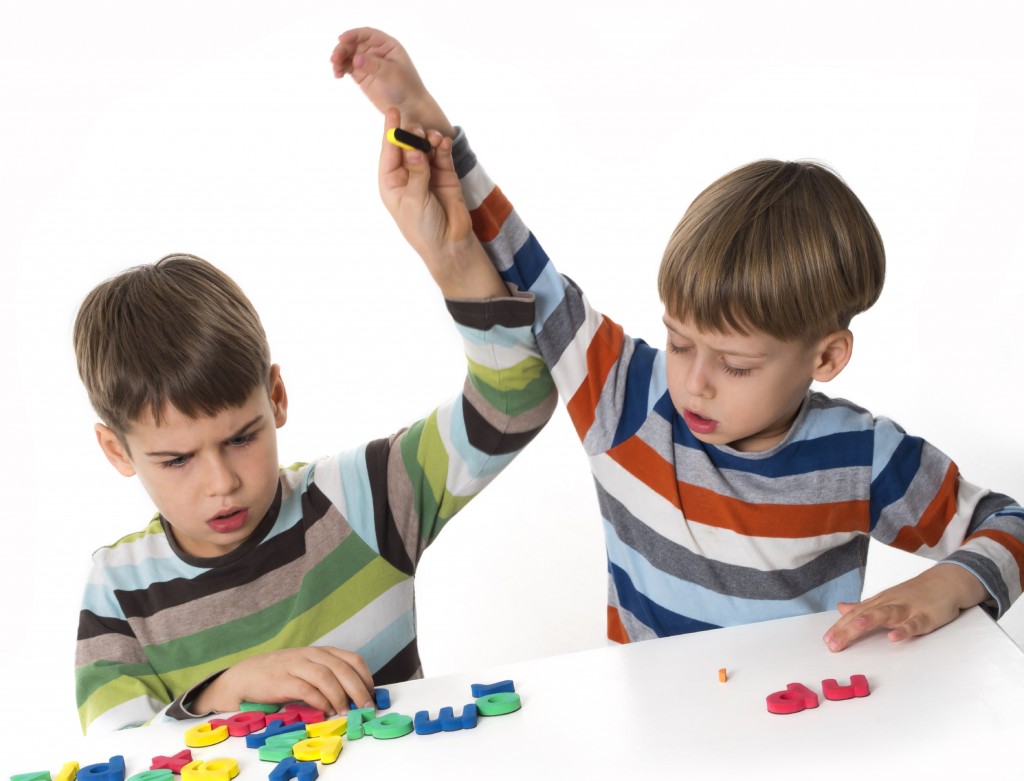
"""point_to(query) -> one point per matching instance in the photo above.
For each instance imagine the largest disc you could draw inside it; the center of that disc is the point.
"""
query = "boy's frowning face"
(212, 478)
(743, 391)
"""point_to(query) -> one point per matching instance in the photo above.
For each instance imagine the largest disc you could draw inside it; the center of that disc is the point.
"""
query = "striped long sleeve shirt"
(700, 536)
(332, 562)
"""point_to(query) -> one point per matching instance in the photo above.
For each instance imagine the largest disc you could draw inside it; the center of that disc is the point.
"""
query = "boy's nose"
(222, 479)
(697, 380)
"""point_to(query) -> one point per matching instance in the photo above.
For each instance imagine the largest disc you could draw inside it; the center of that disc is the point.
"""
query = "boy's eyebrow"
(240, 432)
(739, 354)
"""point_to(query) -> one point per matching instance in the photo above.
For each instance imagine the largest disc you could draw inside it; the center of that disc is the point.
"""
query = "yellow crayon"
(407, 140)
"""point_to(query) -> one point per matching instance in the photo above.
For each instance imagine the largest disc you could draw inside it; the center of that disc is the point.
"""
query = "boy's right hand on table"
(324, 678)
(385, 73)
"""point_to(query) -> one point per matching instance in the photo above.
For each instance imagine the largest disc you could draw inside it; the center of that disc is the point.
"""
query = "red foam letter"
(174, 764)
(858, 688)
(793, 700)
(241, 724)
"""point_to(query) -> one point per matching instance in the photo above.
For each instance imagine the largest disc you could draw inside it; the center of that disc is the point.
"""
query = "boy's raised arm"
(423, 194)
(385, 73)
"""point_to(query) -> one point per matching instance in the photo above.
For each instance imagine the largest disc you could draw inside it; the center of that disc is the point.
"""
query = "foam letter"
(303, 713)
(175, 763)
(356, 718)
(106, 771)
(206, 734)
(289, 768)
(794, 699)
(483, 689)
(259, 739)
(164, 774)
(392, 725)
(323, 729)
(498, 704)
(324, 750)
(858, 687)
(241, 724)
(214, 770)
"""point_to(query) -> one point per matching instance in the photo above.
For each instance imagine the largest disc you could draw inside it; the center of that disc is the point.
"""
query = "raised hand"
(385, 73)
(422, 193)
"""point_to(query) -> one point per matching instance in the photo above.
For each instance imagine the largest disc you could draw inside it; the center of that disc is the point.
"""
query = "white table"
(948, 705)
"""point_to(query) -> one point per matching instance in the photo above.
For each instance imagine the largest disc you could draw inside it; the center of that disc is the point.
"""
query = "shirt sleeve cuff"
(182, 708)
(516, 310)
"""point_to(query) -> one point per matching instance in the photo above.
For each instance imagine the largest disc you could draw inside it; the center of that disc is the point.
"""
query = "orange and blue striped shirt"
(701, 536)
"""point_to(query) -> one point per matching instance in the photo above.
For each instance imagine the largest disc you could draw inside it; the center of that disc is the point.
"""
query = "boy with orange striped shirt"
(729, 491)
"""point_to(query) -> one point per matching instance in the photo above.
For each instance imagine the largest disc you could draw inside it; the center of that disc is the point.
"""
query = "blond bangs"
(782, 248)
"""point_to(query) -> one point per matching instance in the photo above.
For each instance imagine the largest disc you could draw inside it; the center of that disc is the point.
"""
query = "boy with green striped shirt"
(253, 582)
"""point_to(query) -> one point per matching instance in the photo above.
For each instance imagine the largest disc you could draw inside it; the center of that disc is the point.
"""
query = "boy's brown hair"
(785, 248)
(179, 332)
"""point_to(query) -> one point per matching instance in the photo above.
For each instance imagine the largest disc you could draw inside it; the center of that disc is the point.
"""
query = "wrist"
(426, 112)
(215, 697)
(969, 590)
(466, 272)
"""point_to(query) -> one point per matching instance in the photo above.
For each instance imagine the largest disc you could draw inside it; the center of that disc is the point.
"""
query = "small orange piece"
(723, 676)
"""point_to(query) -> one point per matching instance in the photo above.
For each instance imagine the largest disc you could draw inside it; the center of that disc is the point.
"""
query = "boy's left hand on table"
(915, 607)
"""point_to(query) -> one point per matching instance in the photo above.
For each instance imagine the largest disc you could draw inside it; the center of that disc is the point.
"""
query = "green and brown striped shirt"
(333, 561)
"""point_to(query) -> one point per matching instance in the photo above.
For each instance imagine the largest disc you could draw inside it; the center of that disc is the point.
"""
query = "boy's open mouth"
(699, 424)
(230, 521)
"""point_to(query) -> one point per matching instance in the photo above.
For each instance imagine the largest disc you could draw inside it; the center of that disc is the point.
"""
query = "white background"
(131, 130)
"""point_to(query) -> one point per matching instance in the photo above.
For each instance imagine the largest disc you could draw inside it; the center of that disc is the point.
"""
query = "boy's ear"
(832, 354)
(278, 396)
(114, 450)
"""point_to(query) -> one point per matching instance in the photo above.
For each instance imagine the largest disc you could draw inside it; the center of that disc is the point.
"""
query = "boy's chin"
(745, 443)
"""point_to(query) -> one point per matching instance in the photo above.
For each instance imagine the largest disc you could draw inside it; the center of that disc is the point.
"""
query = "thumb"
(391, 175)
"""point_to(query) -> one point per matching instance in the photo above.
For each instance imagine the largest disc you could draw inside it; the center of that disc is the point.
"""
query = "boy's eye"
(735, 371)
(174, 463)
(242, 440)
(675, 348)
